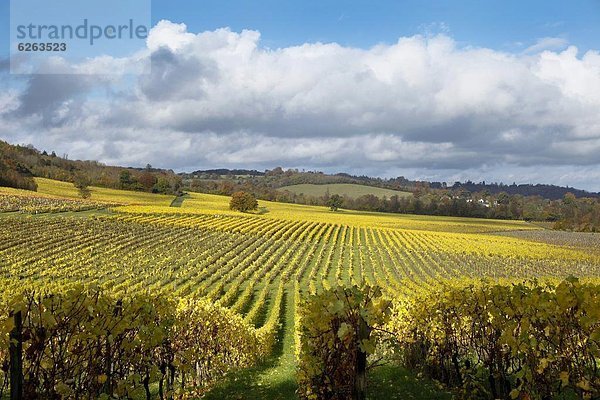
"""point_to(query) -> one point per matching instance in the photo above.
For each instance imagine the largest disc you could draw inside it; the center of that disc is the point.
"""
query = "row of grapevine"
(32, 204)
(521, 341)
(84, 343)
(248, 263)
(196, 254)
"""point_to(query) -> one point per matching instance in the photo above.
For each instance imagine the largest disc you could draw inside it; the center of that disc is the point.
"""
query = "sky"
(505, 91)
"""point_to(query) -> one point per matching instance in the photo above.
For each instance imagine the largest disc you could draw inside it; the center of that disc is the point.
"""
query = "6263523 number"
(42, 47)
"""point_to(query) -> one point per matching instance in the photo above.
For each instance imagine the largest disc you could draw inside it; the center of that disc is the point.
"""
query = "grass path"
(178, 201)
(275, 378)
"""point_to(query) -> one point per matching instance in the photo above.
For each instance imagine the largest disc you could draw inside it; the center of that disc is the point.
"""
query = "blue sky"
(500, 24)
(439, 90)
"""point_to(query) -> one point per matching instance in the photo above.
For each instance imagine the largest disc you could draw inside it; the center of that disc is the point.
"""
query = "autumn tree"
(147, 180)
(243, 201)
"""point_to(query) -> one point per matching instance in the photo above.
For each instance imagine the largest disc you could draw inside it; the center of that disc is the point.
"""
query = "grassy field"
(66, 189)
(343, 189)
(243, 261)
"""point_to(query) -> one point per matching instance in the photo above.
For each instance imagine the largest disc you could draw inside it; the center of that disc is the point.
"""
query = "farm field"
(258, 265)
(343, 189)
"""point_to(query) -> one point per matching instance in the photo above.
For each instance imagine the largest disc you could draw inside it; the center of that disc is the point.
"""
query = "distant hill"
(279, 178)
(225, 172)
(14, 169)
(343, 189)
(19, 164)
(551, 192)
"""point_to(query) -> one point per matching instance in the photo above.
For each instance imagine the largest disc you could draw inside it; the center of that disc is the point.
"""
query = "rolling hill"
(343, 189)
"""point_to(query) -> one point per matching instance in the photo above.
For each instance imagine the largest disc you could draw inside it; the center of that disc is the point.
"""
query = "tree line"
(19, 164)
(567, 213)
(278, 178)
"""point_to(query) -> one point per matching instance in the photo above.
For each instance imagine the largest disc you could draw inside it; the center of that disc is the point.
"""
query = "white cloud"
(424, 103)
(547, 43)
(576, 78)
(9, 101)
(170, 35)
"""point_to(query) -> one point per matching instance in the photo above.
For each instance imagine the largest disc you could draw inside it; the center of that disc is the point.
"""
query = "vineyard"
(257, 267)
(40, 205)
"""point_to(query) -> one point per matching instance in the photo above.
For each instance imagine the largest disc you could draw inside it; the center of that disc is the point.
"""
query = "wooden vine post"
(16, 358)
(360, 384)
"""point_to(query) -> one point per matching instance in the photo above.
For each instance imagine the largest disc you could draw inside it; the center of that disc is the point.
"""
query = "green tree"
(81, 182)
(243, 201)
(162, 185)
(125, 179)
(334, 202)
